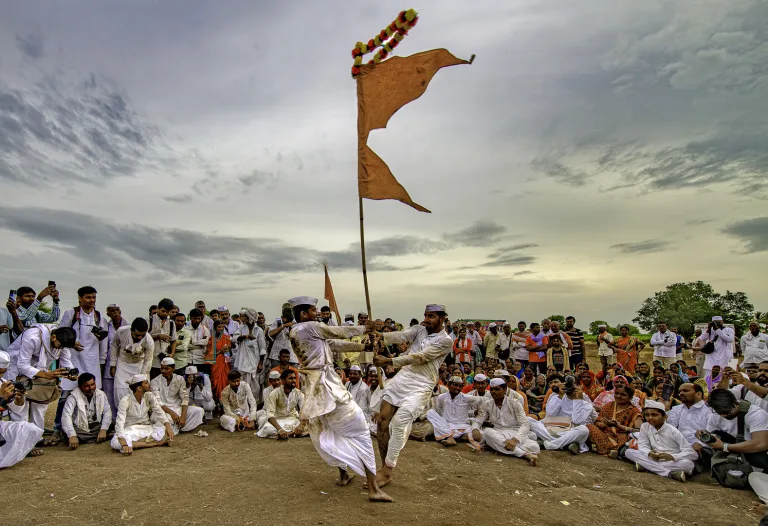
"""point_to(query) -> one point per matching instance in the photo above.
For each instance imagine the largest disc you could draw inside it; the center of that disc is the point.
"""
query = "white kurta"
(723, 348)
(139, 420)
(361, 394)
(240, 403)
(581, 412)
(283, 408)
(754, 348)
(158, 327)
(94, 353)
(450, 415)
(509, 421)
(174, 396)
(80, 412)
(338, 427)
(20, 439)
(667, 439)
(198, 344)
(129, 358)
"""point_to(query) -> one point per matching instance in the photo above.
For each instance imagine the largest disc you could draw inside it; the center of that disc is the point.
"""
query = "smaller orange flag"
(329, 295)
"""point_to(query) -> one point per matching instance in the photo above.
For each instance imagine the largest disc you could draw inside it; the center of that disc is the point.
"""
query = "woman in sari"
(536, 394)
(627, 350)
(528, 381)
(517, 369)
(606, 397)
(217, 353)
(588, 385)
(514, 384)
(615, 422)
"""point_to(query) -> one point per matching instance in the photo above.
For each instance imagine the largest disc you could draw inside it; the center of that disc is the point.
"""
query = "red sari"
(607, 438)
(219, 355)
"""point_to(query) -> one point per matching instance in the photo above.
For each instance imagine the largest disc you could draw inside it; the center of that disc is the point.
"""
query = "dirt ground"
(231, 478)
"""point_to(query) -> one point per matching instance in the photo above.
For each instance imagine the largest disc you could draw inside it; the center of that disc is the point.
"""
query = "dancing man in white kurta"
(337, 425)
(510, 434)
(450, 415)
(408, 393)
(171, 390)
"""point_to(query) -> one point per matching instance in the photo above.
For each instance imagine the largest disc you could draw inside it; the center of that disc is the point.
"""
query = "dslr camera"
(99, 332)
(72, 372)
(23, 385)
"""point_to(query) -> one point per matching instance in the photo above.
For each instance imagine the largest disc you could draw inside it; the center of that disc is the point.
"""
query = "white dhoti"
(20, 439)
(662, 468)
(230, 423)
(137, 433)
(444, 429)
(578, 434)
(343, 438)
(410, 395)
(252, 379)
(758, 481)
(267, 430)
(495, 439)
(194, 418)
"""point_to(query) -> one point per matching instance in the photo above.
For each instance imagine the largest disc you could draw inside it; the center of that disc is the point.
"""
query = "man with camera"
(87, 414)
(568, 404)
(163, 332)
(17, 439)
(278, 333)
(9, 324)
(720, 344)
(171, 390)
(32, 356)
(664, 344)
(28, 310)
(199, 390)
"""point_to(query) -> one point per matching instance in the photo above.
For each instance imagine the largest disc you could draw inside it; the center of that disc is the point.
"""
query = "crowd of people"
(136, 384)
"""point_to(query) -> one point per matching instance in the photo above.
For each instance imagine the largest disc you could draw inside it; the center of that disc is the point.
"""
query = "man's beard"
(762, 380)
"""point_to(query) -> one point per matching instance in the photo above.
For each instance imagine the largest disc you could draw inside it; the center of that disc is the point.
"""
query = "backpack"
(76, 317)
(173, 327)
(727, 473)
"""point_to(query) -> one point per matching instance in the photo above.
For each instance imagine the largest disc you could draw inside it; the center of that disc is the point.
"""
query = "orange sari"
(627, 353)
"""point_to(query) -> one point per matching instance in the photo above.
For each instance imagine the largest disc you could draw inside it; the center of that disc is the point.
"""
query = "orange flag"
(382, 89)
(329, 295)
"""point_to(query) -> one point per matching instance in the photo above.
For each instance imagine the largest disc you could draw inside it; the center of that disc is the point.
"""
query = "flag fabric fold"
(382, 89)
(330, 298)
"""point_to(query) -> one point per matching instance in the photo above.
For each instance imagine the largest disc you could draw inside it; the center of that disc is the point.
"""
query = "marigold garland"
(385, 41)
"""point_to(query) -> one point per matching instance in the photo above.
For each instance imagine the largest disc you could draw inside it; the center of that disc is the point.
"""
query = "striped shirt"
(31, 315)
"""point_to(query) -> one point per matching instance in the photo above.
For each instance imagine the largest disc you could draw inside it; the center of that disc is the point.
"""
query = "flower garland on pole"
(385, 41)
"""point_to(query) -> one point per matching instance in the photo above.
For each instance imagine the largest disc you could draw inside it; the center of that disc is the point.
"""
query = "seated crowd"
(139, 384)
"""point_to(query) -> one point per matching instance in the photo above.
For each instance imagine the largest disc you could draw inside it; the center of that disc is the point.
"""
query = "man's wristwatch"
(725, 448)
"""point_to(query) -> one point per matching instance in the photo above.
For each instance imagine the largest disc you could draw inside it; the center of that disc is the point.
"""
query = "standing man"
(116, 321)
(577, 339)
(205, 319)
(518, 349)
(604, 349)
(131, 354)
(325, 316)
(278, 333)
(251, 350)
(199, 341)
(359, 390)
(753, 344)
(489, 341)
(696, 346)
(28, 310)
(91, 348)
(183, 339)
(723, 339)
(679, 344)
(338, 427)
(163, 332)
(536, 345)
(407, 394)
(664, 344)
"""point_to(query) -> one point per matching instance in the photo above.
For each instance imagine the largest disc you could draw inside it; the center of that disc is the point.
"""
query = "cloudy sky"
(595, 152)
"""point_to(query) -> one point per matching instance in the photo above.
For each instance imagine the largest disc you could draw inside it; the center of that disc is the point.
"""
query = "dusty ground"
(239, 479)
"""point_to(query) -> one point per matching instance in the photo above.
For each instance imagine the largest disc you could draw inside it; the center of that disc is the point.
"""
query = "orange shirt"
(537, 356)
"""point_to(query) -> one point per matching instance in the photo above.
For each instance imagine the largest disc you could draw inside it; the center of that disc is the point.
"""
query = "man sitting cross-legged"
(239, 405)
(282, 408)
(511, 430)
(450, 415)
(87, 414)
(141, 421)
(171, 390)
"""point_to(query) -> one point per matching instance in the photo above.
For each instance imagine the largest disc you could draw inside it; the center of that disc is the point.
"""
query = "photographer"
(199, 388)
(17, 439)
(278, 333)
(722, 339)
(28, 310)
(575, 411)
(9, 324)
(664, 344)
(35, 352)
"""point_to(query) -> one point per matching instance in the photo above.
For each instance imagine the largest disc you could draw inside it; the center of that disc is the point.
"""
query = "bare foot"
(345, 478)
(379, 496)
(532, 459)
(383, 480)
(449, 442)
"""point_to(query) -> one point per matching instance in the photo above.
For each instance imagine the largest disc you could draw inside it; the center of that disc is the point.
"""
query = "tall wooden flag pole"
(383, 87)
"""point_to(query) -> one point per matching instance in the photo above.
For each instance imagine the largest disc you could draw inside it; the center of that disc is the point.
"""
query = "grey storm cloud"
(513, 248)
(642, 247)
(560, 172)
(510, 261)
(752, 232)
(31, 45)
(478, 234)
(56, 132)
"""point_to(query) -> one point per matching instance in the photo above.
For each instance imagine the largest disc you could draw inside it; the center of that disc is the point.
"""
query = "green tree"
(594, 324)
(44, 307)
(683, 304)
(559, 318)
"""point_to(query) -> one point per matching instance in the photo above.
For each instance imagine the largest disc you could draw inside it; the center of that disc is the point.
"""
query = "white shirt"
(723, 347)
(754, 347)
(510, 416)
(173, 393)
(33, 352)
(158, 327)
(201, 396)
(667, 439)
(456, 410)
(755, 420)
(518, 346)
(131, 413)
(664, 344)
(361, 394)
(750, 397)
(129, 357)
(198, 344)
(97, 409)
(112, 331)
(241, 401)
(581, 411)
(94, 352)
(249, 351)
(282, 341)
(280, 405)
(689, 420)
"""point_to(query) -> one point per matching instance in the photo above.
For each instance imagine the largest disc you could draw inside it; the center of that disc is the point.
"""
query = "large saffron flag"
(329, 295)
(382, 89)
